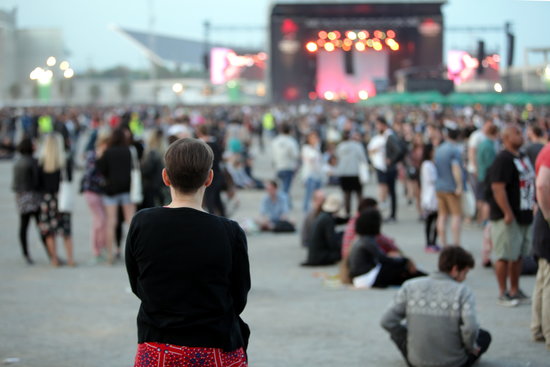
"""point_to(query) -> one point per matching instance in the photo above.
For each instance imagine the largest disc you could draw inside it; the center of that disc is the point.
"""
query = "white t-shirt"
(428, 176)
(377, 151)
(473, 142)
(312, 163)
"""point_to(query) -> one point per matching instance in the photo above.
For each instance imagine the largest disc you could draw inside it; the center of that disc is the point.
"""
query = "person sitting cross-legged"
(441, 327)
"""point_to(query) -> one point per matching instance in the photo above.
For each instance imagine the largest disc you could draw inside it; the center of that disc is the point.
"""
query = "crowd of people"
(481, 165)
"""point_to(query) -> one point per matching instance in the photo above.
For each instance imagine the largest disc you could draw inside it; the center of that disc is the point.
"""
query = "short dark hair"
(367, 203)
(537, 131)
(382, 120)
(188, 162)
(285, 128)
(25, 146)
(369, 222)
(455, 256)
(427, 151)
(453, 134)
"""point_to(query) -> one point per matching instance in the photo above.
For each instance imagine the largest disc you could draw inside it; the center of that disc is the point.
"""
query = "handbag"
(136, 187)
(65, 200)
(468, 202)
(364, 174)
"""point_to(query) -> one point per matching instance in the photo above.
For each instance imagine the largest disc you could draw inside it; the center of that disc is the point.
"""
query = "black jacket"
(324, 248)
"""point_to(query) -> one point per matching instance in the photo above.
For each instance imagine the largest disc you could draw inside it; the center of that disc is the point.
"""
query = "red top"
(543, 159)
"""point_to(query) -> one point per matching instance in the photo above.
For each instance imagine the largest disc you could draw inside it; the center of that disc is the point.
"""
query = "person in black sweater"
(366, 255)
(325, 245)
(190, 270)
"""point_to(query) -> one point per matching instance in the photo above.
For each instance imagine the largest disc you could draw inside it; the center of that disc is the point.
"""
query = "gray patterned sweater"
(440, 319)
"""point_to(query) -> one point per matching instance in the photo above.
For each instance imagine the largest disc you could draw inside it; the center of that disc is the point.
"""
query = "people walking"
(52, 166)
(25, 185)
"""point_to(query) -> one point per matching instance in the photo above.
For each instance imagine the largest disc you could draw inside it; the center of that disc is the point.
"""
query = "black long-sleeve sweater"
(115, 165)
(190, 270)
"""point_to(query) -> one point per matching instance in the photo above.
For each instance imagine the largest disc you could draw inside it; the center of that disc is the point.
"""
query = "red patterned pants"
(167, 355)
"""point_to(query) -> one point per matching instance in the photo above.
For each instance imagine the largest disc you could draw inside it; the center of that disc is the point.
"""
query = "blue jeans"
(311, 184)
(286, 176)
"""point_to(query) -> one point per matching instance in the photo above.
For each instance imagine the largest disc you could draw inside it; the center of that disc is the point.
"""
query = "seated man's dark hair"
(369, 222)
(367, 203)
(455, 255)
(188, 162)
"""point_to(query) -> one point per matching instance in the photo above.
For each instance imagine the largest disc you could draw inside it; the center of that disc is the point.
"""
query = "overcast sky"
(85, 24)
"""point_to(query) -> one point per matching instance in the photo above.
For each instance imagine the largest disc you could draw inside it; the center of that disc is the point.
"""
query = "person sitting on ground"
(307, 226)
(386, 244)
(366, 257)
(324, 248)
(274, 208)
(441, 326)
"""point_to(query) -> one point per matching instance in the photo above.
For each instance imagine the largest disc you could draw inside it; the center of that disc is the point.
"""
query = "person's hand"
(459, 190)
(508, 218)
(476, 351)
(411, 267)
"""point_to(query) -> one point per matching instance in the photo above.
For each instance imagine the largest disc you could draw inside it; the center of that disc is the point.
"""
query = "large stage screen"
(353, 49)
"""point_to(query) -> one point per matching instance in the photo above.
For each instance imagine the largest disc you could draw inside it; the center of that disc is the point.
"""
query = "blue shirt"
(274, 210)
(446, 155)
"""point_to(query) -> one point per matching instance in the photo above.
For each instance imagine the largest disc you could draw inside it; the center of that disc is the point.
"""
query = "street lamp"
(44, 76)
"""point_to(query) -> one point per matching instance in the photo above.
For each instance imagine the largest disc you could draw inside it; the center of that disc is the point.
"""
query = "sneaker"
(522, 298)
(507, 301)
(432, 249)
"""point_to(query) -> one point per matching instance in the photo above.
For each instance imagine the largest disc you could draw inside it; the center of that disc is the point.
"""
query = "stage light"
(329, 96)
(322, 35)
(369, 43)
(395, 46)
(337, 34)
(363, 95)
(348, 42)
(331, 36)
(378, 34)
(390, 33)
(338, 43)
(321, 43)
(346, 48)
(311, 47)
(360, 46)
(351, 35)
(498, 87)
(329, 47)
(291, 93)
(377, 45)
(363, 35)
(312, 95)
(496, 58)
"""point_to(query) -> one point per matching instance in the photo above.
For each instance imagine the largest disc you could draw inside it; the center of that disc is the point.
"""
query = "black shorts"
(381, 176)
(350, 183)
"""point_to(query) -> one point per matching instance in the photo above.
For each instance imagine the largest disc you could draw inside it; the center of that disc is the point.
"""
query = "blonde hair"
(103, 136)
(155, 141)
(52, 153)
